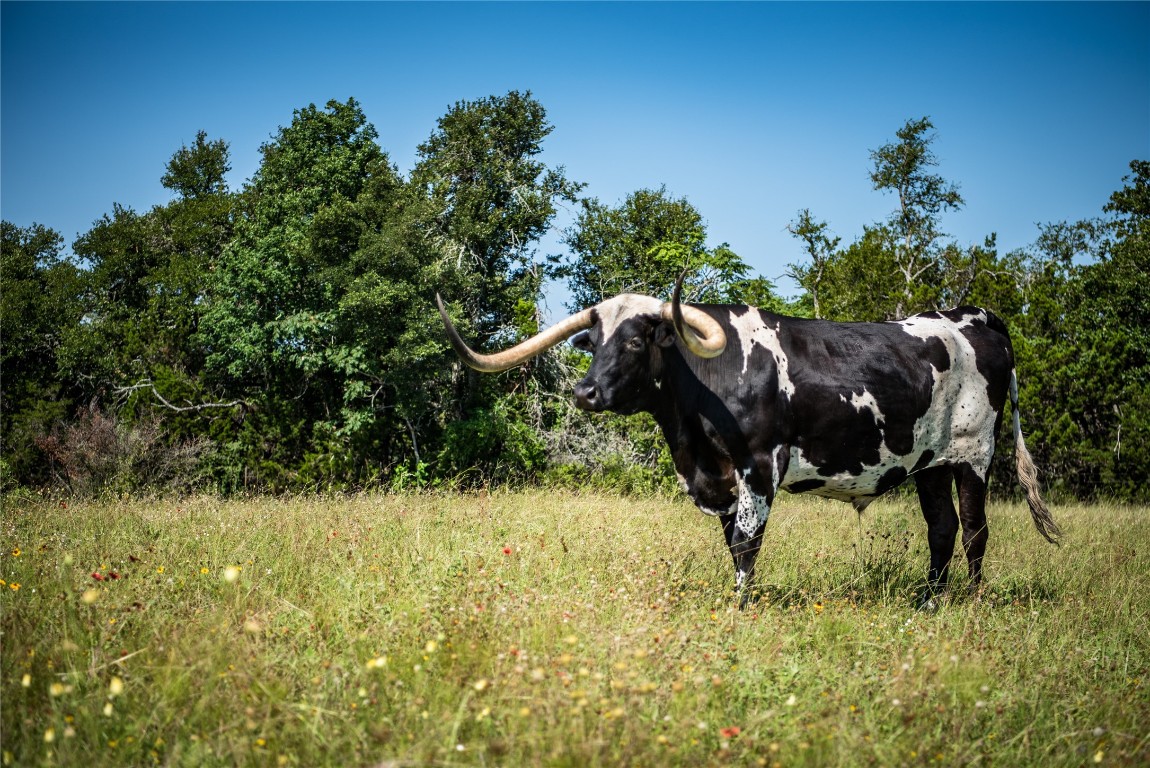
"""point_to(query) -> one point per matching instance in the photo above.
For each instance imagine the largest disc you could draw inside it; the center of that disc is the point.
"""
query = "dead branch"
(148, 384)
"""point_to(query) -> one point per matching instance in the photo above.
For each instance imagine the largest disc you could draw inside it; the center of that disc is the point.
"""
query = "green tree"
(820, 248)
(904, 264)
(271, 334)
(484, 200)
(146, 284)
(1084, 353)
(199, 171)
(39, 306)
(904, 168)
(643, 245)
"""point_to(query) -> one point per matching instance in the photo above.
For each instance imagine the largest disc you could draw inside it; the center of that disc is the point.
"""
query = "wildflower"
(14, 586)
(791, 700)
(204, 571)
(49, 735)
(16, 552)
(57, 689)
(108, 709)
(480, 684)
(507, 550)
(26, 681)
(1098, 756)
(231, 573)
(115, 687)
(90, 596)
(431, 646)
(730, 732)
(97, 576)
(160, 569)
(818, 607)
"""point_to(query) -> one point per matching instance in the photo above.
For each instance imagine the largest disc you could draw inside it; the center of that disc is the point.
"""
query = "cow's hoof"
(929, 601)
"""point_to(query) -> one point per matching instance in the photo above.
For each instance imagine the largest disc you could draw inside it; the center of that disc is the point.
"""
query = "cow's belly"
(871, 482)
(973, 448)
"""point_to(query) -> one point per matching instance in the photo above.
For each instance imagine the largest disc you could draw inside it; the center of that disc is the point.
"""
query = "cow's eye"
(635, 344)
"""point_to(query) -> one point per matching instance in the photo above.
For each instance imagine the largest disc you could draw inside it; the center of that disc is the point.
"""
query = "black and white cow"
(752, 402)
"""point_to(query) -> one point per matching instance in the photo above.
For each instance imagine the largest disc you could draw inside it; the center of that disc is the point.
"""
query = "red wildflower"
(97, 576)
(731, 732)
(507, 550)
(114, 575)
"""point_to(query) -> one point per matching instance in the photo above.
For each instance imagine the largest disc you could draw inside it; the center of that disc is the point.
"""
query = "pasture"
(554, 629)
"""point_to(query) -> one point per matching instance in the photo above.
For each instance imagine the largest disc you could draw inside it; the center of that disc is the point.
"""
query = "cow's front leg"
(744, 551)
(743, 530)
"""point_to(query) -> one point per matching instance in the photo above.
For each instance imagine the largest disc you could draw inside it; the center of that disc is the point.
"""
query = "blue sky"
(752, 111)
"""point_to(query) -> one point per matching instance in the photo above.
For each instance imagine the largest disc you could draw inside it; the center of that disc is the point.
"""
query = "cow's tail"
(1028, 474)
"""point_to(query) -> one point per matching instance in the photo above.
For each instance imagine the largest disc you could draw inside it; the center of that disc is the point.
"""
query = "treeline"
(282, 337)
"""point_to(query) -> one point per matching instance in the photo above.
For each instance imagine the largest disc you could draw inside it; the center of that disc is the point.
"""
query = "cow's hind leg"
(934, 486)
(972, 513)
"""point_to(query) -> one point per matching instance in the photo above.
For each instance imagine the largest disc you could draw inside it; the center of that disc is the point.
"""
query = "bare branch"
(148, 384)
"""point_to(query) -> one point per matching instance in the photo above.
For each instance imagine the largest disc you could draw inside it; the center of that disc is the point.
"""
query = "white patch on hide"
(752, 509)
(751, 330)
(865, 400)
(959, 425)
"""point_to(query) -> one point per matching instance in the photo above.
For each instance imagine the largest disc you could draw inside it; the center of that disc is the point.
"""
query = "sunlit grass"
(557, 629)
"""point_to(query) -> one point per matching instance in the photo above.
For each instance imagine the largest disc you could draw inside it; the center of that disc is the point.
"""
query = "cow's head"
(626, 335)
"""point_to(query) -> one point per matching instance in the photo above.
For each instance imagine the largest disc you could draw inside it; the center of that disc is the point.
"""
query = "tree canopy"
(282, 336)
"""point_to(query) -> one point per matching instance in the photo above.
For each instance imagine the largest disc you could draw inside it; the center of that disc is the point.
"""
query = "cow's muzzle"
(588, 397)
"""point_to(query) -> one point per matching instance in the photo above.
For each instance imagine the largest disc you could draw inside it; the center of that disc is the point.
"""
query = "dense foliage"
(282, 336)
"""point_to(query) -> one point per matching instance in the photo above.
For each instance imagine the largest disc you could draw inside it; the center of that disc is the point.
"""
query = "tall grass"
(560, 630)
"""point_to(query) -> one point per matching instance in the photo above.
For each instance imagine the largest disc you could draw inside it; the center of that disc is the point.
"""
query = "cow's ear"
(664, 335)
(583, 341)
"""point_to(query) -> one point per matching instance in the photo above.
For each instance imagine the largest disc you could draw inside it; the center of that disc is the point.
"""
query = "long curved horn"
(698, 331)
(521, 353)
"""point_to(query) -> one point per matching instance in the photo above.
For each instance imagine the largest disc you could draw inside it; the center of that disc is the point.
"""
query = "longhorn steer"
(750, 402)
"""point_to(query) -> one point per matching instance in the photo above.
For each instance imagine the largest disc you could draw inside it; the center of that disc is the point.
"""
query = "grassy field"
(556, 629)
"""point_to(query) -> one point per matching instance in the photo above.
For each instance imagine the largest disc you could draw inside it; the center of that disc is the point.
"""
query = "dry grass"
(556, 629)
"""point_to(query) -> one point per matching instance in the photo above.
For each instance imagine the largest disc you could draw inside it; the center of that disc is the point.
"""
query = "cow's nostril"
(586, 396)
